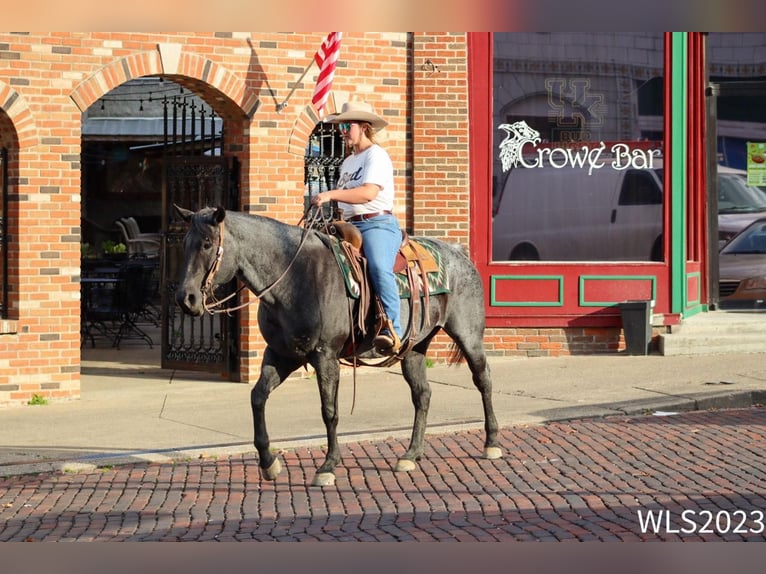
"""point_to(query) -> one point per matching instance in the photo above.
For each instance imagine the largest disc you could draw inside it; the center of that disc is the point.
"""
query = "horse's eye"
(207, 244)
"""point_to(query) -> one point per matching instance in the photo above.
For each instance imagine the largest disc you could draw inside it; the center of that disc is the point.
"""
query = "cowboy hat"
(358, 112)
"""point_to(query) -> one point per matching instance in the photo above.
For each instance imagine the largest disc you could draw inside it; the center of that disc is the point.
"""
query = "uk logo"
(573, 104)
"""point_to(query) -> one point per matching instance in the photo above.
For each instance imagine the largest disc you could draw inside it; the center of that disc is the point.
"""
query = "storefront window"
(577, 146)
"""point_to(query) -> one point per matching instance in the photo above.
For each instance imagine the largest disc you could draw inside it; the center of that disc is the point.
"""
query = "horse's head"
(202, 269)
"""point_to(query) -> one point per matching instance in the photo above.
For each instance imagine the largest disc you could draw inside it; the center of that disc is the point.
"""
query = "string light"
(161, 90)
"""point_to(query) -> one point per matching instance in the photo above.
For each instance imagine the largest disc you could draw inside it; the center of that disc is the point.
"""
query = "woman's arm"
(362, 194)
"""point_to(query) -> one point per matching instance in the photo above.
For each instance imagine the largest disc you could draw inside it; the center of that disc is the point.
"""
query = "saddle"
(413, 264)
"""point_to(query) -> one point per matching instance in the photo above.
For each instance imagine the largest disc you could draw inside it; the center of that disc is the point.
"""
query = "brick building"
(433, 88)
(48, 80)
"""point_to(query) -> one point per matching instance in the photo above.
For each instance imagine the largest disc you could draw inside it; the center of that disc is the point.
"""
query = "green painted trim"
(678, 183)
(691, 311)
(495, 303)
(584, 278)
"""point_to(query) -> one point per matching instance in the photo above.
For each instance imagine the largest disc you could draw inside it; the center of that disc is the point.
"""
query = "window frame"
(551, 294)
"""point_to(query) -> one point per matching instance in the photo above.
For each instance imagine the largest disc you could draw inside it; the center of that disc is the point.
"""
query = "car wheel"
(524, 252)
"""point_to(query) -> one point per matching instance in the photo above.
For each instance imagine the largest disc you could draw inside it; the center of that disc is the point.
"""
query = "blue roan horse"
(304, 318)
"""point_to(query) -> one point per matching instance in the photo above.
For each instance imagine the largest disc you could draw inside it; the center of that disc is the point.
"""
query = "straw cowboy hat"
(358, 112)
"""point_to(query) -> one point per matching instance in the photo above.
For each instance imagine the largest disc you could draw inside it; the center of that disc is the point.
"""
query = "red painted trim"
(697, 166)
(480, 118)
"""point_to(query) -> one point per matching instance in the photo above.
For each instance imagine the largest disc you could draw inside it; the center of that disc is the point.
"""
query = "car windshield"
(735, 196)
(751, 241)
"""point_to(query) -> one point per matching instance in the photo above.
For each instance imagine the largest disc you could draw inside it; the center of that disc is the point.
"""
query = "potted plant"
(113, 250)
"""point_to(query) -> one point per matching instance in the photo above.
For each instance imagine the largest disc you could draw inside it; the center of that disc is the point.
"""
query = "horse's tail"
(456, 355)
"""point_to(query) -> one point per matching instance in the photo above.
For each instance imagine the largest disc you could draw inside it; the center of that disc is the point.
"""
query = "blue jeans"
(381, 238)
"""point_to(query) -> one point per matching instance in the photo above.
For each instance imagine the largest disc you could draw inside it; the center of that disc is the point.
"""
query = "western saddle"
(414, 262)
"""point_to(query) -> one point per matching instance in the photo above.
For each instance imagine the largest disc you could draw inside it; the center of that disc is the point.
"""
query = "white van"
(566, 214)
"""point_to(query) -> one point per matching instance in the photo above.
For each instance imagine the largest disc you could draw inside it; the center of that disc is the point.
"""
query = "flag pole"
(281, 106)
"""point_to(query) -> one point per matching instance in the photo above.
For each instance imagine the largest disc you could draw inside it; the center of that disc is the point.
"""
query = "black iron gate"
(210, 342)
(4, 233)
(324, 155)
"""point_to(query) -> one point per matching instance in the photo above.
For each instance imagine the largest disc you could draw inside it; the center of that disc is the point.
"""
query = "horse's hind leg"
(472, 347)
(414, 371)
(274, 370)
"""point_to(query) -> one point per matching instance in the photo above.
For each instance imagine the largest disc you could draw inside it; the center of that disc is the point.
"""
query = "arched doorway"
(148, 144)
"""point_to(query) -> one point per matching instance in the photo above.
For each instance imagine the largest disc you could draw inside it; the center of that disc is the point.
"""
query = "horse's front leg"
(328, 374)
(274, 370)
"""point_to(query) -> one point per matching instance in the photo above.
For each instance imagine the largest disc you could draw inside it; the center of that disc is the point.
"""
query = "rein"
(207, 282)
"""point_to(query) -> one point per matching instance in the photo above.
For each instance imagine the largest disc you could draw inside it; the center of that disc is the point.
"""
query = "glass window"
(577, 150)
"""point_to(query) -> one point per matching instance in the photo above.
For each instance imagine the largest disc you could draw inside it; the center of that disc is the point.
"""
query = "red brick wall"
(47, 81)
(418, 81)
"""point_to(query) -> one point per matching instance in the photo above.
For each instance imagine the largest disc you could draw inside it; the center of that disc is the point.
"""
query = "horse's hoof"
(273, 471)
(323, 479)
(405, 465)
(493, 453)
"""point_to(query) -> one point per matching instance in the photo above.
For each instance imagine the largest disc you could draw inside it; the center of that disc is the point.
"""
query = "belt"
(365, 216)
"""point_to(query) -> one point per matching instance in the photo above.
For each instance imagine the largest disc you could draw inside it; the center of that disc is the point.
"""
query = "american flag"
(326, 58)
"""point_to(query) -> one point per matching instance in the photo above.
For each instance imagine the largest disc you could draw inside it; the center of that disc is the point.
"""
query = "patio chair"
(135, 231)
(142, 246)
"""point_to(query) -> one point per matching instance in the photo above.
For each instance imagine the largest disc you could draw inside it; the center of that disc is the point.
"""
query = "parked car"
(739, 204)
(742, 269)
(567, 214)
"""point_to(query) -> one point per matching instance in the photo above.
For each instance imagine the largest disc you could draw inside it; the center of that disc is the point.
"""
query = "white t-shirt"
(373, 165)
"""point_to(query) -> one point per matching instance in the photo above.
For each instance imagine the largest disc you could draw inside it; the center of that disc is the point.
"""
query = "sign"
(522, 146)
(756, 163)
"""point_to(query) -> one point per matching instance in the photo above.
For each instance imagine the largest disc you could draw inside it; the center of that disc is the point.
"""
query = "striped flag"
(326, 58)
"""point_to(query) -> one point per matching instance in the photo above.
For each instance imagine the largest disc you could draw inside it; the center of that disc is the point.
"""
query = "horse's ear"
(219, 214)
(185, 214)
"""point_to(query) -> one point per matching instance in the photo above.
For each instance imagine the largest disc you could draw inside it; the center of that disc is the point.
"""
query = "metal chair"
(141, 246)
(115, 312)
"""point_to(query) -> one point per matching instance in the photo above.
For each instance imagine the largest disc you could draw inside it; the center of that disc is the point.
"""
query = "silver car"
(739, 204)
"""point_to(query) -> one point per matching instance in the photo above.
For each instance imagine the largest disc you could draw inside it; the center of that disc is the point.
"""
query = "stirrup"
(387, 342)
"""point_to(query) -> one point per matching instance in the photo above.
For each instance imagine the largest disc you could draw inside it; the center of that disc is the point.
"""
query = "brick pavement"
(581, 480)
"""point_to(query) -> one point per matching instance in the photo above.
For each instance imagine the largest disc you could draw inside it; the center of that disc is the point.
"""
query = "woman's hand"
(321, 198)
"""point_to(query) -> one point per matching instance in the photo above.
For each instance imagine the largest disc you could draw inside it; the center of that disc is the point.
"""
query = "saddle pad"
(438, 282)
(352, 285)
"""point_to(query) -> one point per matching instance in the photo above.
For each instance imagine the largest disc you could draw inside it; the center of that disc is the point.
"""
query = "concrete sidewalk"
(132, 411)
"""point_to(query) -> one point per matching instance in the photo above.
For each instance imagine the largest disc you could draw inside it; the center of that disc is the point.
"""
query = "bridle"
(215, 306)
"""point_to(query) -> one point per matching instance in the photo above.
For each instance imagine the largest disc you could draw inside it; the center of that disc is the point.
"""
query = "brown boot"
(387, 342)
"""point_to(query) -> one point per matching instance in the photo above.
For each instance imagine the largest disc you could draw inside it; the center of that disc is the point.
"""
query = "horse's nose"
(188, 302)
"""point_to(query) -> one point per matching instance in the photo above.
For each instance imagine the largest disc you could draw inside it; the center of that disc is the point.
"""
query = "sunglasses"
(344, 127)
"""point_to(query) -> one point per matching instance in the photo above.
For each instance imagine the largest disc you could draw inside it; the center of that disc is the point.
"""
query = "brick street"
(580, 480)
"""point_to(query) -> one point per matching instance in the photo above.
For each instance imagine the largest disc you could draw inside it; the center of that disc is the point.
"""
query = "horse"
(303, 318)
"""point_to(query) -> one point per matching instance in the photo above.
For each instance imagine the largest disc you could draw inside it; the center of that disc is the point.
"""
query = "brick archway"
(304, 124)
(17, 110)
(171, 61)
